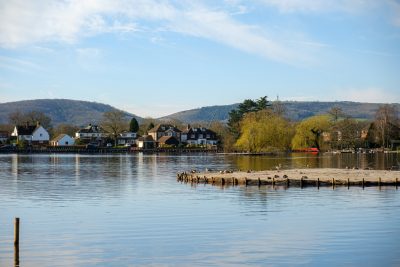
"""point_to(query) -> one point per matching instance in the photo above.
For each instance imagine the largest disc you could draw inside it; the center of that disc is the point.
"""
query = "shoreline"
(296, 177)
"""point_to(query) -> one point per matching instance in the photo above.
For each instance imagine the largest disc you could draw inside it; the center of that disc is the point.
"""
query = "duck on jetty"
(296, 177)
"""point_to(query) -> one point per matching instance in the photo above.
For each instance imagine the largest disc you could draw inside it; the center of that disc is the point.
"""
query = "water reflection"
(305, 160)
(122, 210)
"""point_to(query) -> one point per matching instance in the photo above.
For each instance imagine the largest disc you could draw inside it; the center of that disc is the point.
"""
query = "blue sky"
(153, 58)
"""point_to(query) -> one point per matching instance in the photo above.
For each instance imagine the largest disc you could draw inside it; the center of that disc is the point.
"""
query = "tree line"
(258, 126)
(262, 126)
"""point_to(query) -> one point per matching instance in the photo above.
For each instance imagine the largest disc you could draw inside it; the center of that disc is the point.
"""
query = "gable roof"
(91, 129)
(168, 139)
(163, 128)
(59, 137)
(25, 129)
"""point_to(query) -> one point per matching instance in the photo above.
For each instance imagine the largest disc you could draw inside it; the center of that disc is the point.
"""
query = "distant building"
(63, 140)
(146, 142)
(199, 136)
(165, 130)
(31, 134)
(168, 141)
(4, 136)
(92, 133)
(126, 138)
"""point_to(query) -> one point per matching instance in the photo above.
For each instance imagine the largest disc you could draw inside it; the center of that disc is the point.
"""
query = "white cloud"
(16, 64)
(319, 5)
(23, 23)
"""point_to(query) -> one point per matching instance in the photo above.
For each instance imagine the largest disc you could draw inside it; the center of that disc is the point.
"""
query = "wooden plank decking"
(296, 177)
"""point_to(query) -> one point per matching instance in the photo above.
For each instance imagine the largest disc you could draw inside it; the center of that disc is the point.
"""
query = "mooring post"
(222, 181)
(259, 181)
(333, 183)
(396, 183)
(245, 181)
(348, 183)
(16, 231)
(363, 183)
(379, 181)
(16, 256)
(318, 183)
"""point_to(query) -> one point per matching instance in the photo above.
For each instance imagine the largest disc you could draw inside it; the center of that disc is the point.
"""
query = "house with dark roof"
(63, 140)
(165, 130)
(199, 136)
(92, 133)
(31, 134)
(168, 141)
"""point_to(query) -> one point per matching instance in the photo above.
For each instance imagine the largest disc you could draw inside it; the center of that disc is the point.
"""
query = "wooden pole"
(16, 256)
(333, 183)
(16, 231)
(363, 183)
(259, 182)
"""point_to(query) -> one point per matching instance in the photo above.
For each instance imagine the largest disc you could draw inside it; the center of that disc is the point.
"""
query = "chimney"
(37, 123)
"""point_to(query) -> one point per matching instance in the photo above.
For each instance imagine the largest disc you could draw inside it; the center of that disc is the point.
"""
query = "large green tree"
(264, 131)
(248, 105)
(309, 132)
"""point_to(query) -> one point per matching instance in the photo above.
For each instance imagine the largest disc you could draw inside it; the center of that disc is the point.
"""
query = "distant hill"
(295, 111)
(74, 112)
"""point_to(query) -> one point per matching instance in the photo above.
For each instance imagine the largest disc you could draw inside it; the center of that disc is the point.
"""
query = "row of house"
(159, 136)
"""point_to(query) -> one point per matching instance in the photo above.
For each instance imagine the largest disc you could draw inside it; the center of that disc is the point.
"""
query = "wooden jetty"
(295, 177)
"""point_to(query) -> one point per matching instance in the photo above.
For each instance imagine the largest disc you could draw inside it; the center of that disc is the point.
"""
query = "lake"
(129, 210)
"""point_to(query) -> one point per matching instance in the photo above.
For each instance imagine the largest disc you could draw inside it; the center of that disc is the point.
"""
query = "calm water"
(128, 210)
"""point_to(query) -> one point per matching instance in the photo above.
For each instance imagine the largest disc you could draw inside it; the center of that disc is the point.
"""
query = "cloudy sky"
(153, 57)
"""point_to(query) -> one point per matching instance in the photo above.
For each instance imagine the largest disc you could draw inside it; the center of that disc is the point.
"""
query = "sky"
(154, 58)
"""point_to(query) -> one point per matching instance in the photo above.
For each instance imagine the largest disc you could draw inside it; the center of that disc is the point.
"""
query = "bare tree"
(386, 118)
(32, 117)
(115, 123)
(336, 112)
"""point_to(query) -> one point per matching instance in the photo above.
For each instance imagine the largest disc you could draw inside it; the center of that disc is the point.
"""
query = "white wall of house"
(66, 140)
(40, 135)
(15, 132)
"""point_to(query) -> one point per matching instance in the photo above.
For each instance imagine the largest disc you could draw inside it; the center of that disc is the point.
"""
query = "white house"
(127, 138)
(91, 133)
(31, 134)
(63, 140)
(199, 136)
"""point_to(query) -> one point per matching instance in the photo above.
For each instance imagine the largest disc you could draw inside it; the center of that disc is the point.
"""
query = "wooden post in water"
(379, 182)
(396, 183)
(301, 182)
(318, 183)
(16, 256)
(348, 183)
(16, 232)
(259, 182)
(363, 183)
(222, 181)
(333, 183)
(245, 181)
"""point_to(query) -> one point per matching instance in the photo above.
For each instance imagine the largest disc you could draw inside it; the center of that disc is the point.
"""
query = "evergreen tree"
(133, 125)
